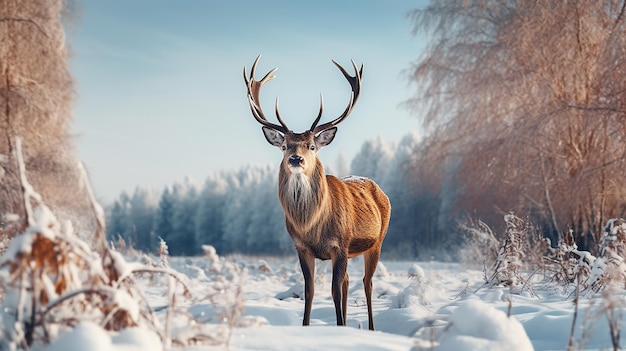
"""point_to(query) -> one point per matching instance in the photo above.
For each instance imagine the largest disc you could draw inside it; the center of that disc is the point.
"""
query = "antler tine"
(319, 115)
(278, 116)
(254, 89)
(355, 84)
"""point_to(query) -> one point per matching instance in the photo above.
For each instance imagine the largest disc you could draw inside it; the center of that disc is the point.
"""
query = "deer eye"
(312, 147)
(283, 147)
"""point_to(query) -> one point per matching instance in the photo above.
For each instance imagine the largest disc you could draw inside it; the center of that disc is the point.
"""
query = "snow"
(476, 325)
(90, 336)
(417, 306)
(354, 179)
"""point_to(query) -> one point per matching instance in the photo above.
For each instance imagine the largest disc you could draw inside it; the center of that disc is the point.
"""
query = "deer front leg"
(344, 298)
(307, 264)
(340, 267)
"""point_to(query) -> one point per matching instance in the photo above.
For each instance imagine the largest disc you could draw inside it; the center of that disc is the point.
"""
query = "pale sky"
(161, 94)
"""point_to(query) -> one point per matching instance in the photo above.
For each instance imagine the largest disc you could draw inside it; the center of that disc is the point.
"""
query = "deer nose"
(295, 160)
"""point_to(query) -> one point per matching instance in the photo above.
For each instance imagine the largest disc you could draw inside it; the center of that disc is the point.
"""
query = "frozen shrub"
(52, 280)
(214, 260)
(510, 255)
(567, 263)
(163, 254)
(381, 271)
(418, 283)
(264, 267)
(480, 243)
(610, 266)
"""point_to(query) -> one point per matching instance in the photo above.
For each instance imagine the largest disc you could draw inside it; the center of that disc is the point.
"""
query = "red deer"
(327, 217)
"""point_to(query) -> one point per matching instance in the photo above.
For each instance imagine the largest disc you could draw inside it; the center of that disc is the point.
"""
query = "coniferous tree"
(142, 211)
(413, 222)
(163, 227)
(266, 233)
(210, 213)
(238, 213)
(117, 218)
(373, 160)
(182, 240)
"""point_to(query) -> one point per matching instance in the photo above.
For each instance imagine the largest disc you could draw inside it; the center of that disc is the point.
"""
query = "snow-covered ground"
(418, 306)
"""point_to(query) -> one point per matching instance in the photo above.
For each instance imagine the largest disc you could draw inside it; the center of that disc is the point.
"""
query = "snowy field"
(418, 306)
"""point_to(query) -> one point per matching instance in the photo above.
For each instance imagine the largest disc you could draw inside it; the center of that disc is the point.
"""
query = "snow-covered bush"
(163, 254)
(610, 265)
(53, 282)
(52, 279)
(481, 244)
(418, 285)
(504, 261)
(506, 270)
(566, 263)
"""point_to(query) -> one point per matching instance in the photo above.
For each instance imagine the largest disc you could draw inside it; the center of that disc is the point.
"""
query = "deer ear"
(326, 137)
(273, 137)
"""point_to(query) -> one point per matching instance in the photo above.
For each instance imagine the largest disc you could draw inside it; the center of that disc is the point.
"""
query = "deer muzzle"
(295, 161)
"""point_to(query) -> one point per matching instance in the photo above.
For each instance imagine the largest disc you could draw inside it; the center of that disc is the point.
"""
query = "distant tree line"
(239, 212)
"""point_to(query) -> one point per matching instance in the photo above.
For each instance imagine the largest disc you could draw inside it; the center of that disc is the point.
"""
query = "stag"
(327, 218)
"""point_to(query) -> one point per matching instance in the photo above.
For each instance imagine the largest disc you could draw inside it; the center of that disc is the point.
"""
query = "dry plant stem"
(27, 193)
(18, 334)
(26, 187)
(101, 241)
(570, 345)
(74, 293)
(153, 270)
(30, 326)
(510, 301)
(614, 327)
(171, 297)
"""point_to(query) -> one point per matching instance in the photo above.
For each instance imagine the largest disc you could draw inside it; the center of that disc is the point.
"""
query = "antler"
(254, 88)
(355, 83)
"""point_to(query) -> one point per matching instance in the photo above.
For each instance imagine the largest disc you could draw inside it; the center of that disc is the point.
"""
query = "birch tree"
(36, 93)
(528, 97)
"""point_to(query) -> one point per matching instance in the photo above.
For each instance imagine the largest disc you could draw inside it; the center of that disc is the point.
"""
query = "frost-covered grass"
(239, 303)
(418, 306)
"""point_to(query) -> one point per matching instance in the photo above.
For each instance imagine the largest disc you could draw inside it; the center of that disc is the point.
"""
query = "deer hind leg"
(371, 261)
(340, 267)
(344, 298)
(307, 263)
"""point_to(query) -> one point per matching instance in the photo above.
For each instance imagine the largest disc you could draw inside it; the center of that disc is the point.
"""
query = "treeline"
(239, 212)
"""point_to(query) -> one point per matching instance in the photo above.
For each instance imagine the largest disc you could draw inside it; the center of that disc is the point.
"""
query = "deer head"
(299, 149)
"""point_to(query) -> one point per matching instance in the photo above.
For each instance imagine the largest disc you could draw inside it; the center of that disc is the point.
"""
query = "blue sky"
(161, 96)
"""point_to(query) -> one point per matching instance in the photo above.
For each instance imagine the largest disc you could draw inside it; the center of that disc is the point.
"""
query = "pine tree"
(210, 213)
(182, 240)
(118, 218)
(163, 227)
(143, 208)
